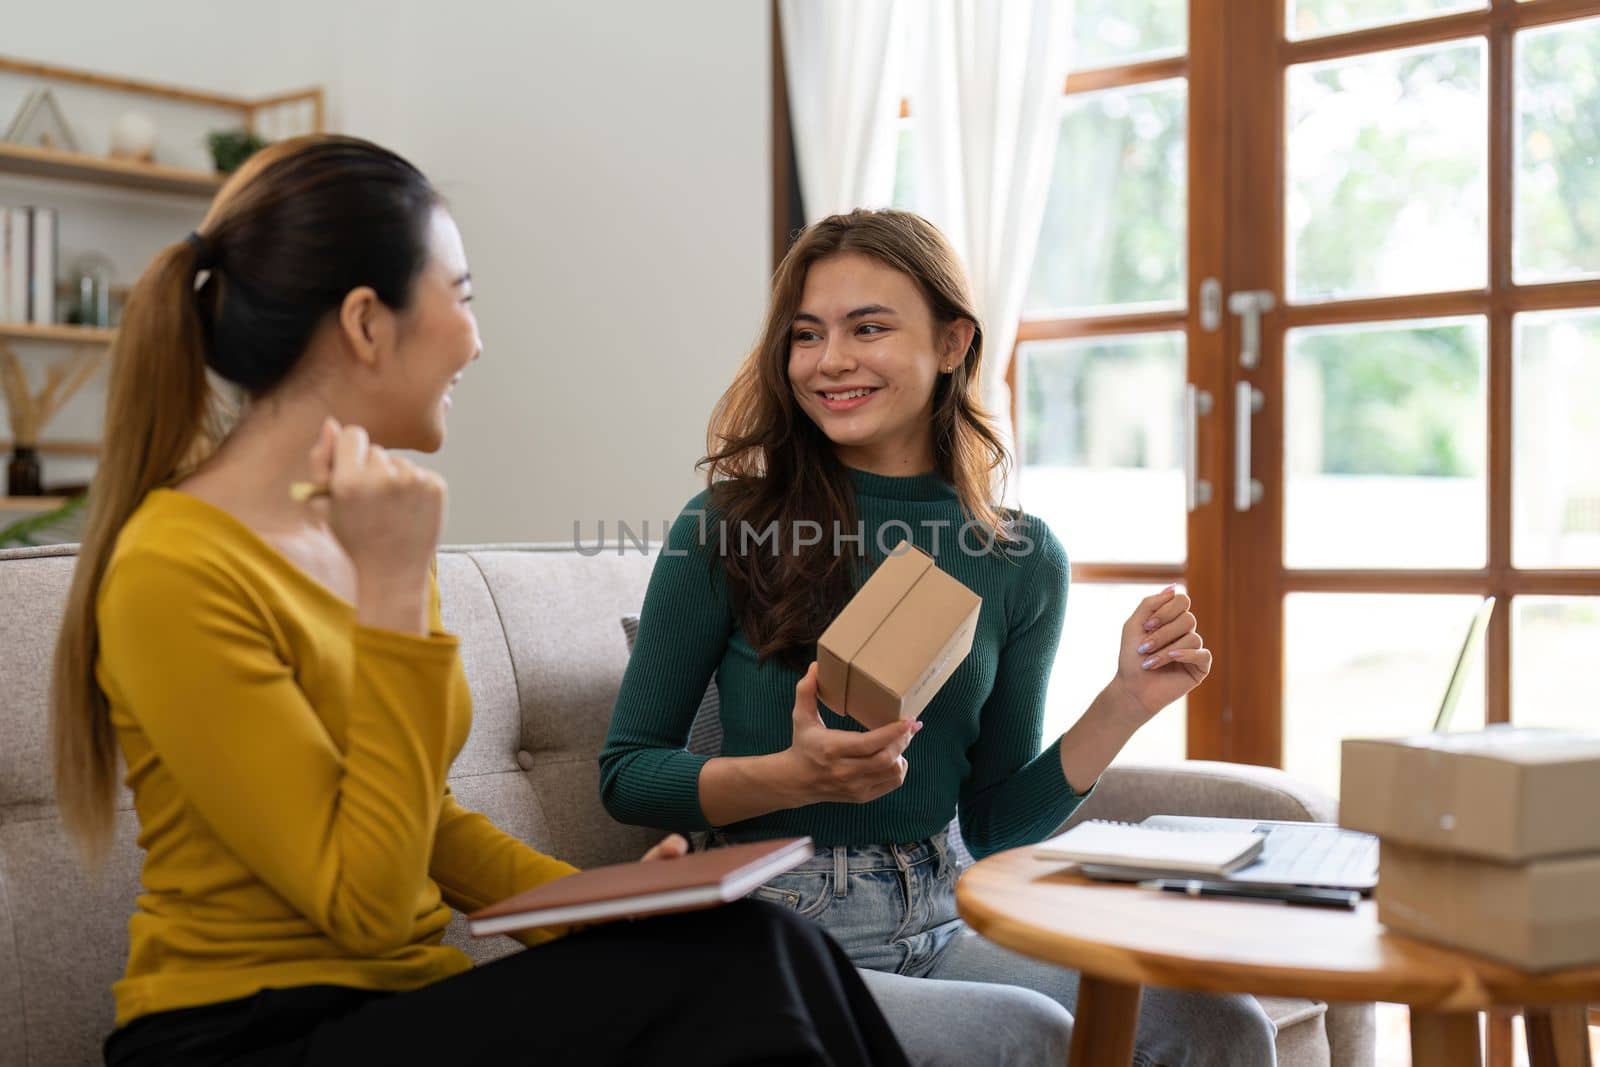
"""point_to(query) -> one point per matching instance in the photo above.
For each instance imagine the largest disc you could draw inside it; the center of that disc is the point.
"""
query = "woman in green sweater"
(855, 424)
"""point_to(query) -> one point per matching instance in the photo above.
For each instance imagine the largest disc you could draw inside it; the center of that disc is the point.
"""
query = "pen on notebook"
(1317, 898)
(303, 491)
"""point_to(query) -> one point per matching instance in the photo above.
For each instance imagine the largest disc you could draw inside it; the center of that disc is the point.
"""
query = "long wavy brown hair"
(768, 465)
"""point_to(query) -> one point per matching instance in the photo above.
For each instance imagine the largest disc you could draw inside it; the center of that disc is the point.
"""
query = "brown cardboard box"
(1537, 916)
(896, 643)
(1511, 794)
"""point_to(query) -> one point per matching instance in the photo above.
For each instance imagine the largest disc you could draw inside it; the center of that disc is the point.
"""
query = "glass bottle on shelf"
(23, 475)
(89, 280)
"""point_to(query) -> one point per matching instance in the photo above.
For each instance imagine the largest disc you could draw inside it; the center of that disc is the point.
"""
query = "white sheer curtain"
(986, 106)
(840, 58)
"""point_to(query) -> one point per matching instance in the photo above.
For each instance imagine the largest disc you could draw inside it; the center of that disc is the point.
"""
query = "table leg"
(1444, 1039)
(1103, 1025)
(1558, 1035)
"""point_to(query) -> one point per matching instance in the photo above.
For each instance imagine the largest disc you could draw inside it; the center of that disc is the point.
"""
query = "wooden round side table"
(1121, 937)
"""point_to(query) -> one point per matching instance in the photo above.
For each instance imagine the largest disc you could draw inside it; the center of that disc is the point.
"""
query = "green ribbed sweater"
(979, 746)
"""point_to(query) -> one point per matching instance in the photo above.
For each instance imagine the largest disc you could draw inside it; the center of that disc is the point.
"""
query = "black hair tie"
(204, 255)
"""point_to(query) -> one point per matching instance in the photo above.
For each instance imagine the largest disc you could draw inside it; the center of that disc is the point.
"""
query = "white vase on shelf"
(133, 136)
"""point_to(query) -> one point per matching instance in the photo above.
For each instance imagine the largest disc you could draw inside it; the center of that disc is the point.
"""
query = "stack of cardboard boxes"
(1489, 841)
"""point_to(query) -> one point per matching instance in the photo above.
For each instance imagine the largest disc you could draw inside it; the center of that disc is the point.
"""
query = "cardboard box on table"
(1505, 793)
(1542, 915)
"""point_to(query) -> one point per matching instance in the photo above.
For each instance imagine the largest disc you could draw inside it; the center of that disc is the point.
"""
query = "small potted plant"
(230, 148)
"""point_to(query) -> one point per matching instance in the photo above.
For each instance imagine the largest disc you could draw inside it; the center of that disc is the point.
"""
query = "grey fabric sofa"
(544, 654)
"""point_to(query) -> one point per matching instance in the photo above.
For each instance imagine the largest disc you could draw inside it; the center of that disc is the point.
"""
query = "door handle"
(1196, 402)
(1211, 305)
(1249, 305)
(1247, 401)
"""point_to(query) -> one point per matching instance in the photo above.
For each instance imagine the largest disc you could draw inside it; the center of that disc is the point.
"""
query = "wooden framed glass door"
(1416, 184)
(1417, 197)
(1314, 328)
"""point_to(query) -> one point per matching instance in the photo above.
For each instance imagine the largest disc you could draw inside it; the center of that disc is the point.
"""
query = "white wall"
(608, 164)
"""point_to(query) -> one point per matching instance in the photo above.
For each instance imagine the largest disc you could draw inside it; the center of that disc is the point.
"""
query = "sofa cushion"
(1203, 787)
(468, 610)
(557, 617)
(70, 930)
(35, 597)
(1302, 1033)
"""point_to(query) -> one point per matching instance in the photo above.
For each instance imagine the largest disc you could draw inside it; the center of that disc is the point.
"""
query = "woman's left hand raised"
(1162, 656)
(670, 847)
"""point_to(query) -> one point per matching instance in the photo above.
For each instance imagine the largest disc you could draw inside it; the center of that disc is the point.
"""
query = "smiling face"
(436, 337)
(864, 356)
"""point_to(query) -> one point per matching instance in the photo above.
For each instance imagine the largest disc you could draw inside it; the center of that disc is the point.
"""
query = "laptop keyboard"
(1315, 855)
(1294, 853)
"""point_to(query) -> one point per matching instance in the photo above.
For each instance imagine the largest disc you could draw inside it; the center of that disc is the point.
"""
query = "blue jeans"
(893, 910)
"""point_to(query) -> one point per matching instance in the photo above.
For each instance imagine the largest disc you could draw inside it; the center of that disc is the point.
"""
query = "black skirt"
(744, 984)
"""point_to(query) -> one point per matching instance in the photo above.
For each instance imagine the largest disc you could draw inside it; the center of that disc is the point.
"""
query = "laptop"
(1323, 855)
(1463, 667)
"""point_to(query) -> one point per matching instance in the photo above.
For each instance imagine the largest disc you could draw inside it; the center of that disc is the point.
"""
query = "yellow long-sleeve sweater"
(288, 768)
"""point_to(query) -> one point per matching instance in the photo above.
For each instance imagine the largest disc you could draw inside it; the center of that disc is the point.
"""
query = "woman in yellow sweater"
(276, 678)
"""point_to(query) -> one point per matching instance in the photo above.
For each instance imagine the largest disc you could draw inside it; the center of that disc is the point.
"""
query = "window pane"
(1557, 210)
(1088, 660)
(1370, 665)
(1386, 173)
(1101, 442)
(1552, 661)
(1318, 18)
(1385, 421)
(1108, 32)
(1555, 439)
(1114, 224)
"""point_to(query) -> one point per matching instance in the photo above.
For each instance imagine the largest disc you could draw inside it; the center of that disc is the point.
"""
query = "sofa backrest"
(544, 654)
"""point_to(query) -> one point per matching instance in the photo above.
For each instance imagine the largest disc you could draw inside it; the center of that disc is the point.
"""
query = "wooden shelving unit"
(95, 170)
(67, 335)
(30, 505)
(59, 448)
(78, 167)
(248, 109)
(302, 109)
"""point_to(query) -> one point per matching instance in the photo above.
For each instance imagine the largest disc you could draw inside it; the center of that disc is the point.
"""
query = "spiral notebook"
(1129, 850)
